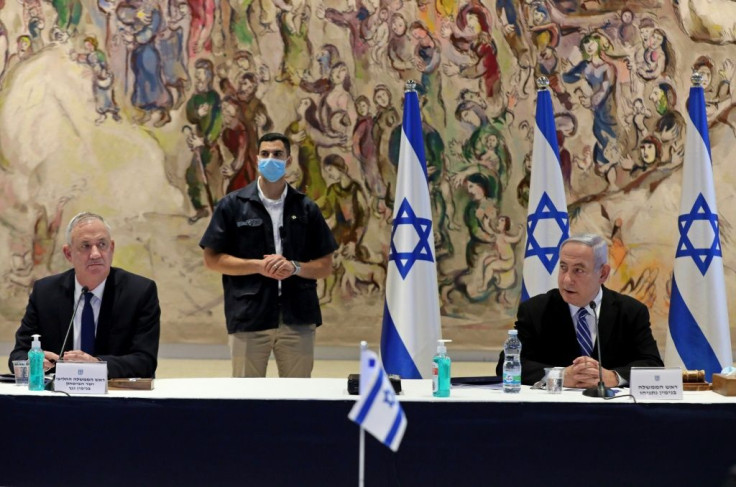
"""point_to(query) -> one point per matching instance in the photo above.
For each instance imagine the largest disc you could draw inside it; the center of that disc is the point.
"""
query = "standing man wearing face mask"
(270, 243)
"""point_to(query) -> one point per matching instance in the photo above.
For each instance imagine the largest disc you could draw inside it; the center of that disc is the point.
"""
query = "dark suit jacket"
(548, 338)
(128, 327)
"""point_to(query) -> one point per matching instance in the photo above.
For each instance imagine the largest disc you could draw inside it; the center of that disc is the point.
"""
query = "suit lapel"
(66, 309)
(564, 335)
(607, 318)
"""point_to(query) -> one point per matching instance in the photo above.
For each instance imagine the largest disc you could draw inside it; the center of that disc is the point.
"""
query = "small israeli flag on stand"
(411, 316)
(547, 223)
(378, 410)
(699, 334)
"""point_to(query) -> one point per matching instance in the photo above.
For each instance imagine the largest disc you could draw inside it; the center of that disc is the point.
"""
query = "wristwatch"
(297, 267)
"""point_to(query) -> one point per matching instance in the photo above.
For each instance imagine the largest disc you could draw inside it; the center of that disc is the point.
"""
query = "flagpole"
(361, 441)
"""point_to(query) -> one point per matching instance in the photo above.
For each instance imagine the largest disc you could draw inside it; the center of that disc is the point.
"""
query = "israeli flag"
(411, 316)
(699, 334)
(547, 222)
(378, 410)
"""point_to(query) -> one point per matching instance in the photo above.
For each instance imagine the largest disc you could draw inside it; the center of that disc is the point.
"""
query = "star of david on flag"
(378, 410)
(702, 257)
(411, 316)
(407, 220)
(698, 336)
(547, 224)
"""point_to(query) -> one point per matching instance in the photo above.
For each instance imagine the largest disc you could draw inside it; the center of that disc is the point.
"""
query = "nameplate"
(81, 377)
(656, 382)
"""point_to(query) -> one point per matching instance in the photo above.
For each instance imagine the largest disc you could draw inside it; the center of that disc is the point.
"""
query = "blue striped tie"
(583, 333)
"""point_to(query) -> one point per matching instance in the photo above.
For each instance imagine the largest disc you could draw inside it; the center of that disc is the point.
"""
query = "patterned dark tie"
(88, 325)
(583, 332)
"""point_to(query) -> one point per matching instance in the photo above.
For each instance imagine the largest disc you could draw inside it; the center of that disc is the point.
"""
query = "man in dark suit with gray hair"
(118, 316)
(557, 328)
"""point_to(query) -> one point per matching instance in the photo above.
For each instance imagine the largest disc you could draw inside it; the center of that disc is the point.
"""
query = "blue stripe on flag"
(691, 343)
(394, 354)
(368, 404)
(545, 118)
(412, 127)
(394, 427)
(697, 114)
(524, 292)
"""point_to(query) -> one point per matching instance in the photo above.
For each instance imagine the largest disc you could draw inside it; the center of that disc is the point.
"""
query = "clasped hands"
(583, 373)
(277, 267)
(50, 358)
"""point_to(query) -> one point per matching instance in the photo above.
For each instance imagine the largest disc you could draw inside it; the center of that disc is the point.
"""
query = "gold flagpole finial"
(411, 85)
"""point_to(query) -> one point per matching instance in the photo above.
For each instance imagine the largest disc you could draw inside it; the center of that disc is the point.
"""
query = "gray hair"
(81, 218)
(595, 242)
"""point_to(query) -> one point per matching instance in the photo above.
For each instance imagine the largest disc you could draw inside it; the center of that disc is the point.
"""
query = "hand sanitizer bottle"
(441, 371)
(35, 365)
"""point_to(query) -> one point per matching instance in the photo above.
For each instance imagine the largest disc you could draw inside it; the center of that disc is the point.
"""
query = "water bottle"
(512, 363)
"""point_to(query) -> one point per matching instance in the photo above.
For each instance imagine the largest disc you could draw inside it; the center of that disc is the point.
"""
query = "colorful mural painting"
(148, 112)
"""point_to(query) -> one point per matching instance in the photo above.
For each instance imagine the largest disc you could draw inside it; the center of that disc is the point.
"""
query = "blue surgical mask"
(272, 169)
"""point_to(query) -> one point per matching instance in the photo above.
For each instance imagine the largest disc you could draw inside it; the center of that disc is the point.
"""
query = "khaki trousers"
(292, 346)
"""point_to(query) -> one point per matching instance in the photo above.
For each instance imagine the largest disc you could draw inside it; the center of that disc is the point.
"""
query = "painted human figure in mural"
(499, 269)
(650, 154)
(33, 17)
(306, 136)
(657, 60)
(142, 22)
(478, 214)
(365, 150)
(68, 15)
(344, 206)
(172, 44)
(202, 23)
(317, 79)
(358, 19)
(484, 63)
(237, 31)
(102, 82)
(233, 138)
(231, 71)
(669, 128)
(401, 49)
(485, 137)
(384, 122)
(600, 78)
(23, 51)
(427, 62)
(294, 29)
(378, 38)
(720, 107)
(637, 120)
(257, 122)
(336, 106)
(204, 111)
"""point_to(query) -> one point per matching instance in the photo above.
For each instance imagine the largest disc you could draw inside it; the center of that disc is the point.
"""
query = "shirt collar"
(97, 292)
(268, 201)
(598, 298)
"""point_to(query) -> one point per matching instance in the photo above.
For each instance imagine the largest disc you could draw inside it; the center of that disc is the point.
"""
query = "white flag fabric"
(411, 316)
(378, 410)
(547, 223)
(699, 335)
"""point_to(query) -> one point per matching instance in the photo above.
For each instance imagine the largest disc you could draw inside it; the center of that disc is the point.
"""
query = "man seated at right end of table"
(557, 329)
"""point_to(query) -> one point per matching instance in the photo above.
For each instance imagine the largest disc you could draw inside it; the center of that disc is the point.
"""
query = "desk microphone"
(600, 390)
(85, 290)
